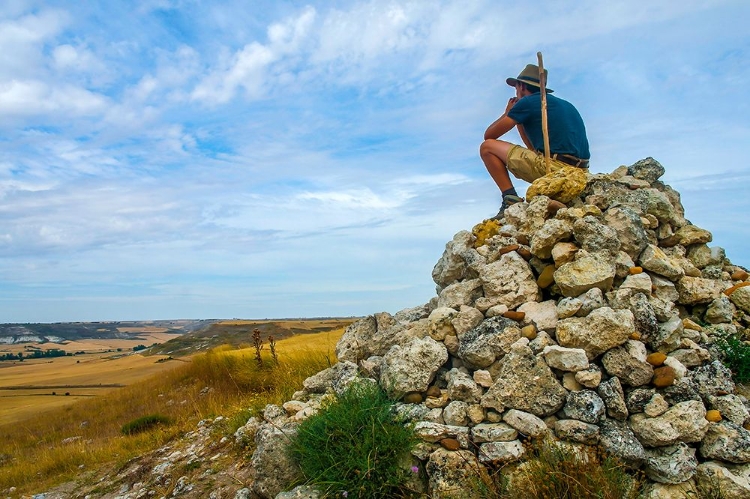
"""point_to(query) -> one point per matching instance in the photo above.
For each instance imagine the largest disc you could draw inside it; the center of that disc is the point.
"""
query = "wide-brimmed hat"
(529, 76)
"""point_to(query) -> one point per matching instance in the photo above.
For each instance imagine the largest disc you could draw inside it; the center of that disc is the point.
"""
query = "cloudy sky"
(166, 159)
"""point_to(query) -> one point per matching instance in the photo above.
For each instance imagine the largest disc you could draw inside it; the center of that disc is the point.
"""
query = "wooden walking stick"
(543, 90)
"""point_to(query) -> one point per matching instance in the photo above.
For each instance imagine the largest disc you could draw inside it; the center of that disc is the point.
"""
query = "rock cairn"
(593, 323)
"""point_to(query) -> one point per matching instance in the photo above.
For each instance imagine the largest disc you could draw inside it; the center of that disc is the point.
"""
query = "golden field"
(26, 388)
(225, 381)
(35, 386)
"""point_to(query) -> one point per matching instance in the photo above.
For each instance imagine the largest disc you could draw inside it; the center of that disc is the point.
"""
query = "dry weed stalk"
(272, 346)
(258, 344)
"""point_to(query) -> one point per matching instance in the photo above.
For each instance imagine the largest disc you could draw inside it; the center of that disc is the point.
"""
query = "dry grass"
(34, 454)
(561, 471)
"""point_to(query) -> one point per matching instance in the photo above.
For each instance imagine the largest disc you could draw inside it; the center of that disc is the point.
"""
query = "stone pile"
(593, 323)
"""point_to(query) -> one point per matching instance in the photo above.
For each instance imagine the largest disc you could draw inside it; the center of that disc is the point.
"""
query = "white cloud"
(79, 64)
(432, 180)
(248, 69)
(22, 39)
(31, 97)
(370, 29)
(356, 199)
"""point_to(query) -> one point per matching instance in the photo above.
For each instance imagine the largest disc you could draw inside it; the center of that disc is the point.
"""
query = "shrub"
(736, 357)
(144, 423)
(557, 471)
(354, 444)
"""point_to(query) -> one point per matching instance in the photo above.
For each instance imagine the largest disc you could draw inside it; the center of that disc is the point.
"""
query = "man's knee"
(498, 148)
(492, 146)
(486, 147)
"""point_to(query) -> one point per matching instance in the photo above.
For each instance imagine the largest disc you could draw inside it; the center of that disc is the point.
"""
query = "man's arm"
(503, 124)
(500, 127)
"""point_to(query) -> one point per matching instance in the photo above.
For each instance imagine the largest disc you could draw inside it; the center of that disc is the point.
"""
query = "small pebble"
(508, 249)
(713, 415)
(450, 444)
(663, 376)
(546, 278)
(513, 315)
(656, 359)
(529, 331)
(413, 398)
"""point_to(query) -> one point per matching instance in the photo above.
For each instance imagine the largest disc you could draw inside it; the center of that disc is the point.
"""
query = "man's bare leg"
(494, 154)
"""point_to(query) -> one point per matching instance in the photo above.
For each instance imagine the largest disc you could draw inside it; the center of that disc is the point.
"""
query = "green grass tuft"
(736, 357)
(354, 445)
(144, 423)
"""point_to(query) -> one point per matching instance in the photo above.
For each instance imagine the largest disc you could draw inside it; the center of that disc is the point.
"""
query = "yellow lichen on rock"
(485, 230)
(563, 184)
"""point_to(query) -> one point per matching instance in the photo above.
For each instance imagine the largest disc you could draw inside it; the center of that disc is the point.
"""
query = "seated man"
(567, 137)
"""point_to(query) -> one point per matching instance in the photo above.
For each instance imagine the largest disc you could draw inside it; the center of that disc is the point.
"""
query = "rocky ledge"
(593, 323)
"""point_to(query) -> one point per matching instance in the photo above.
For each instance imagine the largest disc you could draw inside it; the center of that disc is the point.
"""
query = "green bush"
(144, 423)
(354, 445)
(736, 357)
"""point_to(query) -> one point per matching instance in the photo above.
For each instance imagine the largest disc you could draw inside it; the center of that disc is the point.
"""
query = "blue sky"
(191, 159)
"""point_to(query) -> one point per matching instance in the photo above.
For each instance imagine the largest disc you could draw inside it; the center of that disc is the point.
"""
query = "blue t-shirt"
(567, 134)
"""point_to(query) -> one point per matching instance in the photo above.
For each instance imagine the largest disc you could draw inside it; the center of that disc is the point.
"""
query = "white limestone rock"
(602, 329)
(672, 464)
(543, 315)
(630, 230)
(726, 441)
(498, 453)
(731, 408)
(441, 324)
(493, 432)
(512, 388)
(460, 293)
(452, 265)
(683, 422)
(624, 362)
(655, 260)
(412, 367)
(586, 272)
(552, 232)
(697, 290)
(466, 319)
(577, 431)
(490, 340)
(462, 387)
(526, 423)
(509, 281)
(565, 359)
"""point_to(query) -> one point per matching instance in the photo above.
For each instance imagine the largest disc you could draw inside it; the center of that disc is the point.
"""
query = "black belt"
(571, 160)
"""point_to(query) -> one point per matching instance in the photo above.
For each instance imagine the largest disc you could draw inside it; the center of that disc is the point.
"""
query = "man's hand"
(511, 102)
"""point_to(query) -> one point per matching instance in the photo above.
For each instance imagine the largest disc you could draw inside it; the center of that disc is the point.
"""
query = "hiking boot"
(508, 200)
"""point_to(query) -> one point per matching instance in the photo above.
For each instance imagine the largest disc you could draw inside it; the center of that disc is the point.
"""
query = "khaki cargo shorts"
(529, 165)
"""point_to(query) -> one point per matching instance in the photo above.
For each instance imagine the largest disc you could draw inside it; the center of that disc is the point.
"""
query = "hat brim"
(513, 81)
